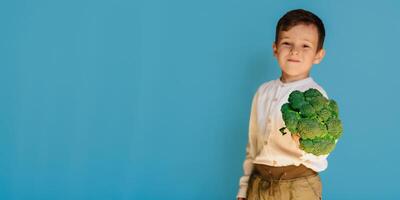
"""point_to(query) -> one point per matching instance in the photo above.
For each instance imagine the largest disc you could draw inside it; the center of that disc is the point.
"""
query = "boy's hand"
(296, 139)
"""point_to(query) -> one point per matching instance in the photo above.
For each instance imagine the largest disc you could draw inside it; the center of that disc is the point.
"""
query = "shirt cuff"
(242, 192)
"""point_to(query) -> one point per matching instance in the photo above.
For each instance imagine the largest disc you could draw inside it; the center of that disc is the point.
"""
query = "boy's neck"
(288, 79)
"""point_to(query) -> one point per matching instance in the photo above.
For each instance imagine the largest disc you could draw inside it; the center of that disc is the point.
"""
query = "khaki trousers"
(264, 187)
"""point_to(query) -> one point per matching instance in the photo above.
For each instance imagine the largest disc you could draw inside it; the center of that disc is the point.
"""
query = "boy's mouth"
(293, 60)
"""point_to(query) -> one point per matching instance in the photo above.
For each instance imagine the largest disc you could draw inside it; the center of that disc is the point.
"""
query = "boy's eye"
(285, 43)
(305, 46)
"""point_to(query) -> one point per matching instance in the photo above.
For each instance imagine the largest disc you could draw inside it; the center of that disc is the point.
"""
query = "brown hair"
(300, 16)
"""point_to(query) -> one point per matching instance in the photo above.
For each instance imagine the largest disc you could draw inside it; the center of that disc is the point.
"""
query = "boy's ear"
(319, 56)
(274, 49)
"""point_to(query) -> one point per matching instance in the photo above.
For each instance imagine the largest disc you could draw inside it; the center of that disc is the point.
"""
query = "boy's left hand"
(296, 139)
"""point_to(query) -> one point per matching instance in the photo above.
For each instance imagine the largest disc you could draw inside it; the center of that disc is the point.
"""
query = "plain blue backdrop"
(151, 99)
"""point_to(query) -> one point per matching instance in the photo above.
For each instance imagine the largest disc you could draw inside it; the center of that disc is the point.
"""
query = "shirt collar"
(294, 83)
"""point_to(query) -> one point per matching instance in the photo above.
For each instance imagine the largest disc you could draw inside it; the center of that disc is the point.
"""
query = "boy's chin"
(289, 75)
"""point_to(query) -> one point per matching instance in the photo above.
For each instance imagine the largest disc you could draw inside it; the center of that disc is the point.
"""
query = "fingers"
(296, 139)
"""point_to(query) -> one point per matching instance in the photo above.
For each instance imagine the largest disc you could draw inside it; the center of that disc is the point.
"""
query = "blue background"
(151, 99)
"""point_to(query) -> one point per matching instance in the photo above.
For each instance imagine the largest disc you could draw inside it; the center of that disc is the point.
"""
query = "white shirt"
(266, 144)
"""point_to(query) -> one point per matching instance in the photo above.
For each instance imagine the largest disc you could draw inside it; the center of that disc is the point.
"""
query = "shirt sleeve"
(324, 93)
(248, 161)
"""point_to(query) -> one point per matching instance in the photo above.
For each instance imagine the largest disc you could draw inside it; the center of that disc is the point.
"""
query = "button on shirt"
(266, 144)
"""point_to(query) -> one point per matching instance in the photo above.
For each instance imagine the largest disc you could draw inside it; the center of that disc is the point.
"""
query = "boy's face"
(296, 51)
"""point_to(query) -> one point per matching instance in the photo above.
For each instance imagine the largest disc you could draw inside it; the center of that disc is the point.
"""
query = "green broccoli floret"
(324, 114)
(318, 102)
(318, 146)
(285, 107)
(311, 128)
(306, 110)
(315, 118)
(296, 99)
(311, 93)
(291, 119)
(334, 127)
(333, 107)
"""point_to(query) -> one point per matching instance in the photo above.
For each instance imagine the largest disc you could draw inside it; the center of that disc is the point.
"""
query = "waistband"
(284, 172)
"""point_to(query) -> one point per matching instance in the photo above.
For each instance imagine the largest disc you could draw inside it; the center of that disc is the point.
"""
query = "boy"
(275, 167)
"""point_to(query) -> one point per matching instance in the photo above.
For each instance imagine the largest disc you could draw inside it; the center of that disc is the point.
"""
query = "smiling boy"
(275, 167)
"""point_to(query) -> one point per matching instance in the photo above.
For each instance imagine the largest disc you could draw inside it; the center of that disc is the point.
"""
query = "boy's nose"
(294, 51)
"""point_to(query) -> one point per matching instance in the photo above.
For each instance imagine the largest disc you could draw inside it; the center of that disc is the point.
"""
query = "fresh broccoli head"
(314, 118)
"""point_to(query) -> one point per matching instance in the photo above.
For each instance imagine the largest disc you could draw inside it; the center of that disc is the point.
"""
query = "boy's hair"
(300, 16)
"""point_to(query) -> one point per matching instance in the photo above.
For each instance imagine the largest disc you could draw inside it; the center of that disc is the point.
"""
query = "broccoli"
(307, 110)
(333, 108)
(310, 128)
(311, 93)
(296, 100)
(319, 102)
(324, 114)
(291, 118)
(314, 118)
(334, 127)
(318, 146)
